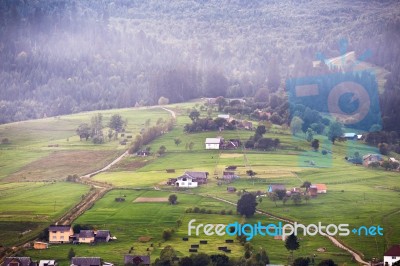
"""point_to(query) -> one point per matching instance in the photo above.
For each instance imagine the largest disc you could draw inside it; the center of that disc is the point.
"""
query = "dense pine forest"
(59, 57)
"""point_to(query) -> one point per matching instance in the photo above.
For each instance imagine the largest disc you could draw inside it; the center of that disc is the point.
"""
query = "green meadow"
(26, 208)
(129, 220)
(356, 195)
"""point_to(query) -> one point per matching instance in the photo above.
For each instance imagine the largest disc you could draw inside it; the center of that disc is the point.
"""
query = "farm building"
(186, 181)
(143, 153)
(86, 236)
(102, 236)
(199, 177)
(172, 181)
(246, 125)
(350, 136)
(371, 158)
(48, 263)
(40, 245)
(275, 187)
(228, 175)
(231, 144)
(213, 143)
(86, 261)
(321, 188)
(136, 260)
(60, 233)
(18, 261)
(391, 256)
(313, 191)
(224, 116)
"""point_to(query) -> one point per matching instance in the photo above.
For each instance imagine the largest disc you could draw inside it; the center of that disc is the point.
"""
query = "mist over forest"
(60, 57)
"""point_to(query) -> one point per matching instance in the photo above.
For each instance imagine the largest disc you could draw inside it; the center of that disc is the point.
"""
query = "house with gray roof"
(18, 261)
(136, 260)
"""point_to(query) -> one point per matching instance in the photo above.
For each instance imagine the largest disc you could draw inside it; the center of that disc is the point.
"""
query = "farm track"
(99, 189)
(335, 241)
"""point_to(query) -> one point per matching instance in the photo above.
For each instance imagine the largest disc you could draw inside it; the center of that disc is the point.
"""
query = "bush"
(222, 212)
(189, 210)
(324, 152)
(202, 210)
(167, 234)
(196, 210)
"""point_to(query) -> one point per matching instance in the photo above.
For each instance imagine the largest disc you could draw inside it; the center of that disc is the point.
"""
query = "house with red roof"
(392, 255)
(320, 188)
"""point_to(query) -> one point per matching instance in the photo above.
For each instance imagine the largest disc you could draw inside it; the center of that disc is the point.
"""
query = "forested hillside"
(59, 57)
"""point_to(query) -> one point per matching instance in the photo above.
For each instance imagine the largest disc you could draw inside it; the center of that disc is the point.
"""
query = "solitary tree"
(301, 261)
(162, 150)
(306, 185)
(247, 205)
(335, 131)
(296, 198)
(83, 131)
(221, 101)
(251, 173)
(116, 123)
(274, 197)
(172, 199)
(71, 253)
(261, 130)
(163, 101)
(177, 141)
(315, 144)
(167, 234)
(167, 256)
(194, 115)
(296, 124)
(292, 244)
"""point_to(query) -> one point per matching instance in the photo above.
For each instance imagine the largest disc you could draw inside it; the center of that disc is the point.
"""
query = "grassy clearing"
(26, 208)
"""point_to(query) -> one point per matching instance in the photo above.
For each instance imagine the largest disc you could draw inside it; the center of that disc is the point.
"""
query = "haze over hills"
(61, 57)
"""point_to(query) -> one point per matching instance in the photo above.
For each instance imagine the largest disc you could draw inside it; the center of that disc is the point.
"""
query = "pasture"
(133, 221)
(356, 195)
(27, 208)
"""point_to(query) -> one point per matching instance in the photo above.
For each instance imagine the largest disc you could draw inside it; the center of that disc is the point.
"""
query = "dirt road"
(336, 242)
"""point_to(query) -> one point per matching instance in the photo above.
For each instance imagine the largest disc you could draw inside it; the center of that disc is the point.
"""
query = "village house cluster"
(59, 234)
(134, 260)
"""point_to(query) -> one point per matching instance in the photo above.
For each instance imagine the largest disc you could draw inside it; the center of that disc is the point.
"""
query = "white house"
(224, 116)
(186, 181)
(391, 255)
(213, 143)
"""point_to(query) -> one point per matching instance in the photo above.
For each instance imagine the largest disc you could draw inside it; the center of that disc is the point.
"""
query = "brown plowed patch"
(144, 199)
(58, 165)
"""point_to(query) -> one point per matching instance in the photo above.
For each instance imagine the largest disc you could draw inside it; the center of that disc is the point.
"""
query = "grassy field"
(27, 208)
(129, 221)
(356, 196)
(38, 145)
